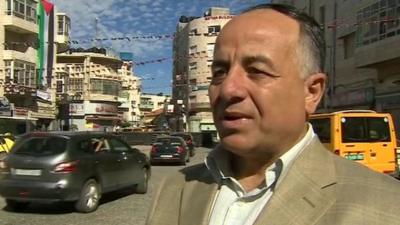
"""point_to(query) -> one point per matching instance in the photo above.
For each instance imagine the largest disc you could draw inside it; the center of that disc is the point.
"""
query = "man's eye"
(255, 71)
(218, 72)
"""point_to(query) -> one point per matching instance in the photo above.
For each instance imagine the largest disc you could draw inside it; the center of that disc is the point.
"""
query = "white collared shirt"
(232, 205)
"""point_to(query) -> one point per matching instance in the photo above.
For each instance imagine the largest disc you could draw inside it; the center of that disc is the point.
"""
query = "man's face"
(257, 94)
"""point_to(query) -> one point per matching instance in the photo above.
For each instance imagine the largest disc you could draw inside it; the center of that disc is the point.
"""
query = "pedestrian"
(270, 167)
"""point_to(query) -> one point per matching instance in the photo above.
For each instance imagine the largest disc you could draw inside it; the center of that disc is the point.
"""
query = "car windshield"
(42, 146)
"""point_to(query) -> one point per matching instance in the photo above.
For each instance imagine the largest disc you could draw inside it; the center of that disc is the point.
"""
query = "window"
(41, 146)
(214, 29)
(105, 87)
(118, 146)
(210, 50)
(20, 72)
(378, 21)
(193, 66)
(356, 129)
(59, 86)
(322, 127)
(60, 25)
(193, 49)
(8, 7)
(349, 45)
(75, 84)
(193, 32)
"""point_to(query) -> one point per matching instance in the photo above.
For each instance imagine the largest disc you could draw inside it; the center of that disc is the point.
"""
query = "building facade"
(88, 90)
(193, 50)
(152, 105)
(129, 96)
(363, 57)
(26, 88)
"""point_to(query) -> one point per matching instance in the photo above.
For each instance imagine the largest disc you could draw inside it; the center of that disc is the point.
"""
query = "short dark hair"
(311, 35)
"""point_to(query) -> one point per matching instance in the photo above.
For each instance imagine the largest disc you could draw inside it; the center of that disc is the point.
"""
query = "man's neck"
(250, 172)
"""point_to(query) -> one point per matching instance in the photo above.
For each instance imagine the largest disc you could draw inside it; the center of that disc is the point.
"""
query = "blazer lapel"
(306, 192)
(197, 200)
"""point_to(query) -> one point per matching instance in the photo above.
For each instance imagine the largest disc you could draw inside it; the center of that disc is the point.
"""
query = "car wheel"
(16, 205)
(142, 187)
(89, 199)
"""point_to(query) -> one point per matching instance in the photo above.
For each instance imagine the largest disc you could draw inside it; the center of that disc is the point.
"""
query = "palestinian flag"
(46, 43)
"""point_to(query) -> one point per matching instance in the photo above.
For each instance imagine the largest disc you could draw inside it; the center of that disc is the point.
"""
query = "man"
(270, 167)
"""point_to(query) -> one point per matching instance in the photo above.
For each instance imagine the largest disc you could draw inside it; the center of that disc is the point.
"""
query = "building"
(151, 102)
(129, 96)
(193, 49)
(26, 87)
(363, 57)
(88, 88)
(151, 105)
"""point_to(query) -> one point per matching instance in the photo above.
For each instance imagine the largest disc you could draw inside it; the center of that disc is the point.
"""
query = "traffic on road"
(124, 206)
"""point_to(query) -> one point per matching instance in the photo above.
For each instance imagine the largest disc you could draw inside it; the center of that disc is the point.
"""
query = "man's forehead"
(262, 20)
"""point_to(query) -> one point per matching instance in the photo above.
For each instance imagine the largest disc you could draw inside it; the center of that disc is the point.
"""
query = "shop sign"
(76, 109)
(43, 95)
(101, 109)
(21, 112)
(357, 97)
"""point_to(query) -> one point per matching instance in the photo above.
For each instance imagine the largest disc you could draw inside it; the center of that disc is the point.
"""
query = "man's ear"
(314, 91)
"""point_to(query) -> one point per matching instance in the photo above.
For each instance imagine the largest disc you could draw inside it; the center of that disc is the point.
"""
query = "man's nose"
(233, 88)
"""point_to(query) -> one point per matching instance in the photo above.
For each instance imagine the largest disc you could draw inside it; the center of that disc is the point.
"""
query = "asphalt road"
(120, 208)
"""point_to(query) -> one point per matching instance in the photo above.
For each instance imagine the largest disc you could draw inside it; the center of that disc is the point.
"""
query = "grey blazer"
(320, 189)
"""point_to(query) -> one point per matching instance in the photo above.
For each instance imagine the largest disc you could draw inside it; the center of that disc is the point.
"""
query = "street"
(118, 208)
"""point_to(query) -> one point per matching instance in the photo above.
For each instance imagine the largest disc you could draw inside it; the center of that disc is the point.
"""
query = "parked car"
(169, 149)
(188, 139)
(71, 167)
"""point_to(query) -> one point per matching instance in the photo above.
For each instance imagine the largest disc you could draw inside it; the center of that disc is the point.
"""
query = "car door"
(130, 160)
(106, 163)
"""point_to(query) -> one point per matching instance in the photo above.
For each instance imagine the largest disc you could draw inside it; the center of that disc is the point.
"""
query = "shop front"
(101, 116)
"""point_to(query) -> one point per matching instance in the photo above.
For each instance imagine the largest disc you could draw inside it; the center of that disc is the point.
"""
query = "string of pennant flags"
(335, 24)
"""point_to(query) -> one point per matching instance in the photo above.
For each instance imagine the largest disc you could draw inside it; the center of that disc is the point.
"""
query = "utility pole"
(333, 61)
(96, 38)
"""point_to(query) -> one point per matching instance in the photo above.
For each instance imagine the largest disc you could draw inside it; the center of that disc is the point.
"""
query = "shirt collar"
(218, 161)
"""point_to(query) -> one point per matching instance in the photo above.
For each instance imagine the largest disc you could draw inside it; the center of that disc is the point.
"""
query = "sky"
(145, 19)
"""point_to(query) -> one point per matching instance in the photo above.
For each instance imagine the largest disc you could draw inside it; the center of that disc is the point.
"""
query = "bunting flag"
(46, 42)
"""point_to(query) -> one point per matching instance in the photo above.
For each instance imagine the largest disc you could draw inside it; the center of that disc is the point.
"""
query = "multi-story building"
(26, 103)
(150, 102)
(151, 106)
(88, 87)
(363, 57)
(193, 54)
(129, 96)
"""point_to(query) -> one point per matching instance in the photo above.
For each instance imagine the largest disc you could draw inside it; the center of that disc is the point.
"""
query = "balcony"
(103, 97)
(63, 29)
(21, 24)
(28, 56)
